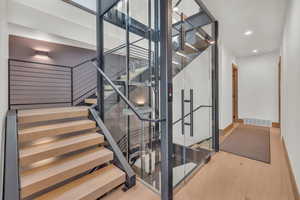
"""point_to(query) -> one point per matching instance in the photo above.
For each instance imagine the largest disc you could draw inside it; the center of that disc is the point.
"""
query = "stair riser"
(54, 116)
(43, 184)
(55, 132)
(27, 160)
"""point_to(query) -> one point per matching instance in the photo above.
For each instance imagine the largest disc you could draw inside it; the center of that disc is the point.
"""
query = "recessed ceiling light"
(249, 32)
(255, 51)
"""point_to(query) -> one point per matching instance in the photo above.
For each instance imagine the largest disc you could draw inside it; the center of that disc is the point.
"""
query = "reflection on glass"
(133, 65)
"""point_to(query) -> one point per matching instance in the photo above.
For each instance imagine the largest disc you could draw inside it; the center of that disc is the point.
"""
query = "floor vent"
(258, 122)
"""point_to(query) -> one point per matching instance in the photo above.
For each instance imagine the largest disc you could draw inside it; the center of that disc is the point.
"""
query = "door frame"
(235, 112)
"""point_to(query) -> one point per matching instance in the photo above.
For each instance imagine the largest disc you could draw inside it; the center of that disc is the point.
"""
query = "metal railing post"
(127, 76)
(192, 113)
(72, 87)
(100, 58)
(182, 113)
(11, 187)
(166, 100)
(215, 88)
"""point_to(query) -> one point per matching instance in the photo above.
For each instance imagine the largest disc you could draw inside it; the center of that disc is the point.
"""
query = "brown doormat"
(250, 142)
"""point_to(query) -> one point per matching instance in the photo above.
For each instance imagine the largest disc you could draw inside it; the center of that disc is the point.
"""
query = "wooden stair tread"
(89, 187)
(37, 179)
(36, 132)
(90, 101)
(36, 153)
(47, 114)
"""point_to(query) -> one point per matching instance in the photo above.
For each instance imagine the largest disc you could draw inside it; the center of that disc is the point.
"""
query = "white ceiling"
(264, 17)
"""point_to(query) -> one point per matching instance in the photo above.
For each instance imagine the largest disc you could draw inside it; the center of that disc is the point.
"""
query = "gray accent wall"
(49, 84)
(36, 85)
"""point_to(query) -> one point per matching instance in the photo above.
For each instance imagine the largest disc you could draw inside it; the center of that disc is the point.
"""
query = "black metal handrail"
(122, 46)
(122, 140)
(199, 107)
(74, 100)
(111, 51)
(123, 97)
(10, 183)
(124, 165)
(137, 53)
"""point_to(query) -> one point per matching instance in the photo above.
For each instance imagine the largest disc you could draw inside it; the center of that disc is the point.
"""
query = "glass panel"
(141, 92)
(132, 63)
(89, 4)
(135, 80)
(192, 90)
(115, 69)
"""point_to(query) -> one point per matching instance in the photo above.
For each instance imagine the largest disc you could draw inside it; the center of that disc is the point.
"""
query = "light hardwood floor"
(230, 177)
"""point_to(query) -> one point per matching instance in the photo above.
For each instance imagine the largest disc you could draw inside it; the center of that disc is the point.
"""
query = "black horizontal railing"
(188, 114)
(35, 84)
(84, 94)
(114, 50)
(121, 95)
(122, 142)
(137, 53)
(10, 181)
(33, 62)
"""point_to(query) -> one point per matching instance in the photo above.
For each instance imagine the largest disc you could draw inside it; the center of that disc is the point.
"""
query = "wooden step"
(29, 134)
(36, 153)
(89, 187)
(47, 114)
(91, 101)
(40, 178)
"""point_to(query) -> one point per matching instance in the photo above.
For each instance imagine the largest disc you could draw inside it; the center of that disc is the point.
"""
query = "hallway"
(231, 177)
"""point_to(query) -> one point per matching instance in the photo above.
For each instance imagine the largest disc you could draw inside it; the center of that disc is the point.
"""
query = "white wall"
(226, 59)
(258, 87)
(3, 63)
(290, 83)
(18, 30)
(51, 18)
(58, 18)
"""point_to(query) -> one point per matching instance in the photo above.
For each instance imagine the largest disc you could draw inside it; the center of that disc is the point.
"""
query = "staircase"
(110, 94)
(62, 156)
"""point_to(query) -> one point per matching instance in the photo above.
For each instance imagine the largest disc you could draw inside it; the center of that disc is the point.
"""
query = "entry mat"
(250, 142)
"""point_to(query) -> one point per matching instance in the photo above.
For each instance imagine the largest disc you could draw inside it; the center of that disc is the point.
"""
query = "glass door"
(192, 100)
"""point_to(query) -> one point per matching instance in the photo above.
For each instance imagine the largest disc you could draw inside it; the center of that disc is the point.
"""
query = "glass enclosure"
(132, 60)
(192, 89)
